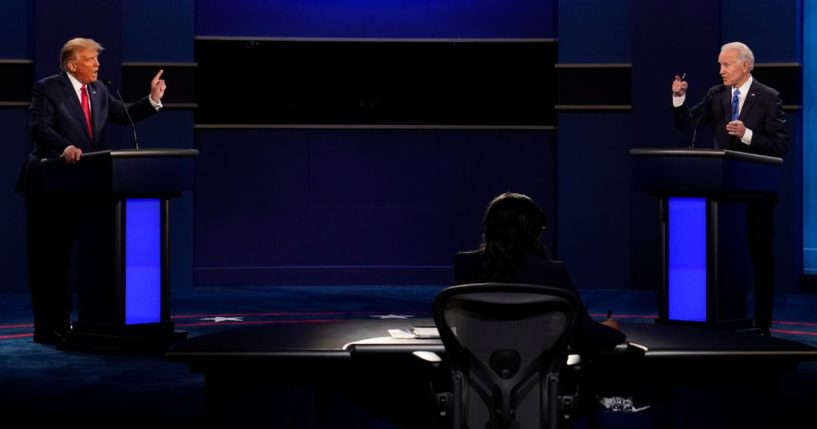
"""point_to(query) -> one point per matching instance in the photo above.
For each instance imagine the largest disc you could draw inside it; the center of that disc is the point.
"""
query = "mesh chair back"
(506, 344)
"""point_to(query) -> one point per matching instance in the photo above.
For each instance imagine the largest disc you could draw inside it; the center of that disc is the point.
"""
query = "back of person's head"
(512, 226)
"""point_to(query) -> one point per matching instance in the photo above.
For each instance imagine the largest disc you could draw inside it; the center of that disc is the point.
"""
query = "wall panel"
(354, 207)
(424, 19)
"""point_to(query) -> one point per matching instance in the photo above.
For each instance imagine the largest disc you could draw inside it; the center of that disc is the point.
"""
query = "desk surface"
(346, 339)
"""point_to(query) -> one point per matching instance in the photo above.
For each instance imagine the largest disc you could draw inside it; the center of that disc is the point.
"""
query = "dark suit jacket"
(56, 121)
(590, 335)
(762, 112)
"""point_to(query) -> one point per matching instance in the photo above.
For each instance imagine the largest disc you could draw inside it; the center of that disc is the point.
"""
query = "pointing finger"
(158, 75)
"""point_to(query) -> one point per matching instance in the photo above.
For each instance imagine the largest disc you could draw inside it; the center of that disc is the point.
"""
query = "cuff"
(747, 137)
(156, 104)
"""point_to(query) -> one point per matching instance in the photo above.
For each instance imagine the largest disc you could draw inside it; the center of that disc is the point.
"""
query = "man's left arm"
(774, 138)
(143, 108)
(766, 134)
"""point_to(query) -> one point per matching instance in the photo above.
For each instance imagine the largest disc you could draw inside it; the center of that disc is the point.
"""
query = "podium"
(704, 197)
(123, 199)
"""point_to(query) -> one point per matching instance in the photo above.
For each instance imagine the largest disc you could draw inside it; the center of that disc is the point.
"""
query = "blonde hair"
(72, 47)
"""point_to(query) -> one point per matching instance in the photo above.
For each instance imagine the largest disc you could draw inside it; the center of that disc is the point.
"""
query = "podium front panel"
(704, 171)
(123, 270)
(687, 259)
(705, 196)
(143, 261)
(152, 175)
(123, 172)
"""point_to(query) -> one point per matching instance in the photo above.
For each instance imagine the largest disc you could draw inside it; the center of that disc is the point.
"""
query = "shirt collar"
(77, 84)
(744, 89)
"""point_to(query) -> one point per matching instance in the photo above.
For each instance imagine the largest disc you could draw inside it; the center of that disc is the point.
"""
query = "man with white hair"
(746, 116)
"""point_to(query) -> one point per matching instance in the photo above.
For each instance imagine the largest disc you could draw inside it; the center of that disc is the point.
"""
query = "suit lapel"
(96, 102)
(751, 97)
(726, 103)
(73, 102)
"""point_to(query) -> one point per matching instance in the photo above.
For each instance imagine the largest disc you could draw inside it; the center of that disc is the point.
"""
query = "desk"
(347, 339)
(313, 372)
(314, 375)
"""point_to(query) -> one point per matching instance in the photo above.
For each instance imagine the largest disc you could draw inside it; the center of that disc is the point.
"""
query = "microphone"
(695, 130)
(706, 104)
(109, 83)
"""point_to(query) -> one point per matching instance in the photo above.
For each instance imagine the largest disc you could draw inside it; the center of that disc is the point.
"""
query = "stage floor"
(48, 385)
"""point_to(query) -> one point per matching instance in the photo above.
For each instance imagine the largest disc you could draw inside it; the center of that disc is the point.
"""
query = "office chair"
(506, 345)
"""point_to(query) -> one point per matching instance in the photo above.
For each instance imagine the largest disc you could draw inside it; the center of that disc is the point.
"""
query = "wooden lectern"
(123, 296)
(703, 196)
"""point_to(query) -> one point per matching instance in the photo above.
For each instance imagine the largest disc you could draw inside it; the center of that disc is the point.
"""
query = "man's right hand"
(679, 87)
(612, 323)
(72, 154)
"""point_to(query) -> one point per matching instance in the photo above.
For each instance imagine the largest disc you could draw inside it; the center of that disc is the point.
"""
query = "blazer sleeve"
(772, 138)
(138, 111)
(114, 110)
(42, 117)
(692, 117)
(590, 336)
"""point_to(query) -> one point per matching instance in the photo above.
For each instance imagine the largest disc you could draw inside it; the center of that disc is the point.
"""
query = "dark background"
(384, 128)
(376, 83)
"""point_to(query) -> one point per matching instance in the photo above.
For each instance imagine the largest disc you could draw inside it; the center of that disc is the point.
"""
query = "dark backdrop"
(580, 172)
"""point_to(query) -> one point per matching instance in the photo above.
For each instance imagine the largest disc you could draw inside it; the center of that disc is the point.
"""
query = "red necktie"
(86, 108)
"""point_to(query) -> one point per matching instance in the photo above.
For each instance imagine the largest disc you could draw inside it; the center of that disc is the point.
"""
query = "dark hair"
(511, 227)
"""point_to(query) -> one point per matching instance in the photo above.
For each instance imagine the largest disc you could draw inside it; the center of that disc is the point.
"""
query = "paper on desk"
(402, 334)
(405, 334)
(425, 333)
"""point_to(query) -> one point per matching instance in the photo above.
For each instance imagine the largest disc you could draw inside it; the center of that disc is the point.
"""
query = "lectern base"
(80, 339)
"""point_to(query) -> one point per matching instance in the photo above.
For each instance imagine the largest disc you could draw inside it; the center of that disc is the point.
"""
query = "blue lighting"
(809, 137)
(143, 261)
(376, 18)
(687, 259)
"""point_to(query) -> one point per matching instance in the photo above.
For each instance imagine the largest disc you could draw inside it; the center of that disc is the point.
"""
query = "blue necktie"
(735, 104)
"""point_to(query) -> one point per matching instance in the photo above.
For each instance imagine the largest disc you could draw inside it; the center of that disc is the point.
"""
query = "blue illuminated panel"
(143, 261)
(686, 254)
(809, 138)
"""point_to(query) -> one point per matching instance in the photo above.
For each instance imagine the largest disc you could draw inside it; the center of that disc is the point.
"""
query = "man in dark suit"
(755, 124)
(746, 116)
(67, 117)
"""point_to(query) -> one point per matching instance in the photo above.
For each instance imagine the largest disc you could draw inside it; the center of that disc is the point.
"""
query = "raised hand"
(679, 86)
(157, 87)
